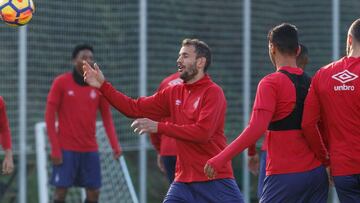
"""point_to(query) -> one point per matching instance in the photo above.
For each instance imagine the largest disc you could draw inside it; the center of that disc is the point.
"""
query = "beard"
(189, 74)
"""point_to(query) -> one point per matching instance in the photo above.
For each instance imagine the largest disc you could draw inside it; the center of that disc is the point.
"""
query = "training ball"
(16, 12)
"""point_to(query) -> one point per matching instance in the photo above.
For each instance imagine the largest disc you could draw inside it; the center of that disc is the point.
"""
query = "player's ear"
(271, 48)
(201, 62)
(298, 51)
(349, 40)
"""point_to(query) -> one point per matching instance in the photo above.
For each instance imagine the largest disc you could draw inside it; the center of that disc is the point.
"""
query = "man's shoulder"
(63, 77)
(2, 102)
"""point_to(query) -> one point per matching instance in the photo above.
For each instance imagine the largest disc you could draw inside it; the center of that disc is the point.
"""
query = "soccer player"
(256, 166)
(293, 173)
(333, 99)
(74, 150)
(165, 145)
(197, 111)
(5, 140)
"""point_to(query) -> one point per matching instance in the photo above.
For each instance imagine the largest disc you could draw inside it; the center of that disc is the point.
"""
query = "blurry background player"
(197, 109)
(5, 140)
(256, 166)
(165, 145)
(333, 99)
(74, 150)
(293, 174)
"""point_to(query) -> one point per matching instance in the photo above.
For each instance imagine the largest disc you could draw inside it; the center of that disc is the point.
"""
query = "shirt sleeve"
(210, 115)
(52, 106)
(258, 124)
(263, 110)
(265, 98)
(310, 123)
(4, 127)
(109, 125)
(155, 139)
(252, 150)
(153, 107)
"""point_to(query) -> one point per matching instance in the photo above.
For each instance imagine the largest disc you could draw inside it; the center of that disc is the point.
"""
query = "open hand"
(93, 76)
(254, 164)
(209, 171)
(145, 125)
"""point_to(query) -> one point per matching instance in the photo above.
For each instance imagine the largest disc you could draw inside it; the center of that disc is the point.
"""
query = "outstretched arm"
(153, 107)
(211, 113)
(259, 122)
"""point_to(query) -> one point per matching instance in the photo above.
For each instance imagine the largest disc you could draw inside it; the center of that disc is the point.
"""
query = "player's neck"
(354, 53)
(285, 61)
(196, 78)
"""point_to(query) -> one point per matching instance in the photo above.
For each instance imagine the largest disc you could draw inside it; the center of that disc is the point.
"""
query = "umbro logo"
(71, 93)
(344, 76)
(178, 102)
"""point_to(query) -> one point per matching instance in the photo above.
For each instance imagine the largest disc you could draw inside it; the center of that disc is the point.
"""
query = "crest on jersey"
(344, 76)
(93, 94)
(71, 93)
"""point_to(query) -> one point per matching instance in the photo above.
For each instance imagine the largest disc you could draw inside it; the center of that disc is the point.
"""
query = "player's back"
(338, 88)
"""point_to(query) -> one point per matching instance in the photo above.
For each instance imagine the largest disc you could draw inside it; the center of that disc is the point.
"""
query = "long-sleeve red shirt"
(76, 109)
(5, 135)
(165, 145)
(288, 151)
(198, 114)
(333, 100)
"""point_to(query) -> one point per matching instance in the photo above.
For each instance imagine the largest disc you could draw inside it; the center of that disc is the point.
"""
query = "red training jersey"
(288, 151)
(76, 108)
(197, 113)
(333, 99)
(165, 145)
(5, 135)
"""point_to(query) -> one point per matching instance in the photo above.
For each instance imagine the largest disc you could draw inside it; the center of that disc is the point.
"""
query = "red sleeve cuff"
(56, 153)
(252, 150)
(104, 86)
(161, 128)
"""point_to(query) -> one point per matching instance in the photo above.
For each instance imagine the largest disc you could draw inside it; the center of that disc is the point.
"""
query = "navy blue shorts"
(169, 164)
(310, 187)
(262, 173)
(348, 188)
(81, 169)
(215, 191)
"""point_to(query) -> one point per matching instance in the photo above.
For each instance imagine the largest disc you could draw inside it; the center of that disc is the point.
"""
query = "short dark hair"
(303, 58)
(285, 38)
(355, 30)
(201, 50)
(81, 47)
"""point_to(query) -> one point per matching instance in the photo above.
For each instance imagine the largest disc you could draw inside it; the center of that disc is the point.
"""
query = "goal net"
(116, 187)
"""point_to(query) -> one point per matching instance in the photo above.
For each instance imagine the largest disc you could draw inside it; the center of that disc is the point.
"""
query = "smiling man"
(197, 108)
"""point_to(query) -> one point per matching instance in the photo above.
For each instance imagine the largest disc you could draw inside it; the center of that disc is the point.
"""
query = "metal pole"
(142, 92)
(335, 56)
(22, 113)
(246, 95)
(335, 29)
